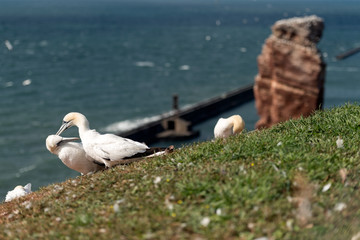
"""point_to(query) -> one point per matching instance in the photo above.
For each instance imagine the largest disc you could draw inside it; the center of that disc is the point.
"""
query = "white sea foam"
(8, 45)
(43, 43)
(128, 125)
(243, 49)
(26, 82)
(9, 84)
(25, 169)
(30, 51)
(343, 69)
(184, 68)
(144, 64)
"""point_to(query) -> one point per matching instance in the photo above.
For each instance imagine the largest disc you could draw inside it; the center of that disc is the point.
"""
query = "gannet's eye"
(65, 121)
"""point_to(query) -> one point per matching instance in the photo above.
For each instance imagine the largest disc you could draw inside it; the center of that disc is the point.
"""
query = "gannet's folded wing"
(114, 148)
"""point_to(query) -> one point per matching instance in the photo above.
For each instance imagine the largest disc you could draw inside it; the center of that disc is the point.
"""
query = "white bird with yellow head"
(19, 191)
(226, 127)
(104, 148)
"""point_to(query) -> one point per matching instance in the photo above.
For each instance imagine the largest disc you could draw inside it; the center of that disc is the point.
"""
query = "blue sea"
(119, 62)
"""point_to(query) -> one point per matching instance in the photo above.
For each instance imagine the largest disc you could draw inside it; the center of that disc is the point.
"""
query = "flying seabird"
(229, 126)
(106, 148)
(72, 154)
(18, 191)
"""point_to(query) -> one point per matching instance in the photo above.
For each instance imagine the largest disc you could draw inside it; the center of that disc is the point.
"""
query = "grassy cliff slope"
(289, 182)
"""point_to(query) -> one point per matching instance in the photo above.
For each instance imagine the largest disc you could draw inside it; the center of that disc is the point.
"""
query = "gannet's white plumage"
(226, 127)
(105, 148)
(72, 154)
(18, 191)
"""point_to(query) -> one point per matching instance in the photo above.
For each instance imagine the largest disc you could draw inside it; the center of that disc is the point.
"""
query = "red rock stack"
(290, 82)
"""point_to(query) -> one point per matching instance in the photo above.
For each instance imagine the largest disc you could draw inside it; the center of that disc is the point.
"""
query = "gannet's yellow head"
(238, 123)
(73, 119)
(18, 187)
(26, 188)
(54, 141)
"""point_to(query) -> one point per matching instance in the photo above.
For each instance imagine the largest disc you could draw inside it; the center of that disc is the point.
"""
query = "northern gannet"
(18, 191)
(72, 154)
(229, 126)
(105, 148)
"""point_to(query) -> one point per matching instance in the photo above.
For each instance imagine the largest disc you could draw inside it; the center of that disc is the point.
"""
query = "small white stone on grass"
(326, 187)
(339, 142)
(289, 224)
(57, 188)
(205, 221)
(27, 204)
(339, 207)
(157, 180)
(116, 206)
(251, 226)
(218, 212)
(168, 204)
(149, 235)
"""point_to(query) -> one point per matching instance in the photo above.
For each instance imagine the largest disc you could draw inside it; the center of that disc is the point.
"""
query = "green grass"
(258, 184)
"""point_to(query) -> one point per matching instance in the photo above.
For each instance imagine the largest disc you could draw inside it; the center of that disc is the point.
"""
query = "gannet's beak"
(63, 127)
(70, 139)
(65, 140)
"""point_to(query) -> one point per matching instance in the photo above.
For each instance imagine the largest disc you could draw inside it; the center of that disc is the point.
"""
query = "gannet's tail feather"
(151, 152)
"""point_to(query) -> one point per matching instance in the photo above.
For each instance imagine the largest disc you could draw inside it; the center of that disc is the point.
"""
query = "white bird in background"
(72, 154)
(18, 191)
(229, 126)
(106, 148)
